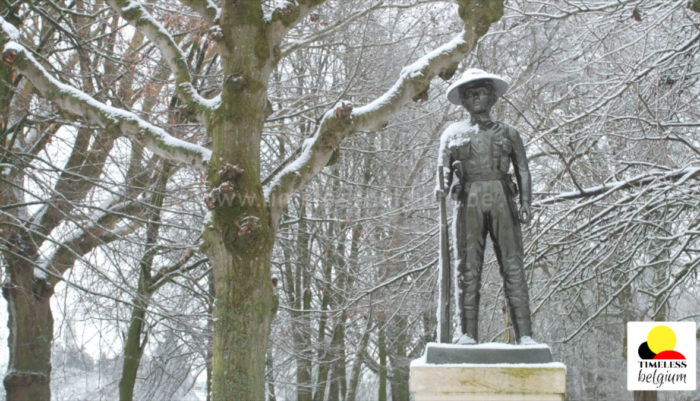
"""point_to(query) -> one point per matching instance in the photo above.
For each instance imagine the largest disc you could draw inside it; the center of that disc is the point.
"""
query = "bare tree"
(240, 236)
(69, 188)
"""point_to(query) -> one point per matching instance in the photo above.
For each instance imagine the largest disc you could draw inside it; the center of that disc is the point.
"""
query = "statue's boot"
(469, 304)
(521, 322)
(471, 328)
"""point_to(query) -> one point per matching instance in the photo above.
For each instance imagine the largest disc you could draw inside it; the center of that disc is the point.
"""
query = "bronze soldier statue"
(475, 156)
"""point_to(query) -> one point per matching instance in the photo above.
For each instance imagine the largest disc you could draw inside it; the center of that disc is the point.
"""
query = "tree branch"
(75, 180)
(112, 119)
(680, 175)
(136, 15)
(166, 274)
(101, 231)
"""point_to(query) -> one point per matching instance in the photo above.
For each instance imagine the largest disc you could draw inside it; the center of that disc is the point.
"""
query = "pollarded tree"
(251, 38)
(59, 200)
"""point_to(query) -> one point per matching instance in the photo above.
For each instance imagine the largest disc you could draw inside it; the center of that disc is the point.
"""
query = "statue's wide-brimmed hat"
(472, 75)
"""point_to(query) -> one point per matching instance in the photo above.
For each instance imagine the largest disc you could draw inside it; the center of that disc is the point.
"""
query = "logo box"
(661, 356)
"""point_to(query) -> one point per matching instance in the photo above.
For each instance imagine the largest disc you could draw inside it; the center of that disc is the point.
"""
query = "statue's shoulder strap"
(508, 130)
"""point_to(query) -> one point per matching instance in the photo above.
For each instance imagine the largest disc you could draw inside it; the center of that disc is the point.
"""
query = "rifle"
(444, 315)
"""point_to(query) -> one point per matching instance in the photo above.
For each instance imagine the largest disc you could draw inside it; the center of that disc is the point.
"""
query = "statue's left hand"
(525, 213)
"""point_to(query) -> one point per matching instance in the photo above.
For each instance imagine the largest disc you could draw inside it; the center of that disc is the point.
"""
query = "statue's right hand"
(456, 190)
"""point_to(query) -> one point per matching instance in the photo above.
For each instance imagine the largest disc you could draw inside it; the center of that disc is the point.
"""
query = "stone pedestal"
(487, 372)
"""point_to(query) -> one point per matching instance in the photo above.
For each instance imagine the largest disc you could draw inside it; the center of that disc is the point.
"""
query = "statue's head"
(478, 97)
(477, 90)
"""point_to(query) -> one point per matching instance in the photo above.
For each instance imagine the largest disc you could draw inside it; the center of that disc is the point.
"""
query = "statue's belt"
(506, 181)
(487, 176)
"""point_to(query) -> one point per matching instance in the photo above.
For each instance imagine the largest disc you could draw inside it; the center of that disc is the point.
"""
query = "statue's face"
(478, 98)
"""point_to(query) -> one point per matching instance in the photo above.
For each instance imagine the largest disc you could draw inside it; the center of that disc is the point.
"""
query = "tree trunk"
(354, 381)
(31, 332)
(30, 322)
(382, 362)
(242, 317)
(240, 236)
(337, 381)
(299, 285)
(352, 384)
(133, 350)
(322, 352)
(399, 361)
(239, 245)
(270, 377)
(210, 328)
(303, 350)
(329, 361)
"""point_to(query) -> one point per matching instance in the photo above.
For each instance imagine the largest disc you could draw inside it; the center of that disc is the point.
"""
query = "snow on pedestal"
(490, 381)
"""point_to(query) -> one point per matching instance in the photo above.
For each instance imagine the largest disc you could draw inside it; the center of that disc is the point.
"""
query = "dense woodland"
(233, 199)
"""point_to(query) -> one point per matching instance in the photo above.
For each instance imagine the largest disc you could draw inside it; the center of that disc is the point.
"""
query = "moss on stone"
(522, 373)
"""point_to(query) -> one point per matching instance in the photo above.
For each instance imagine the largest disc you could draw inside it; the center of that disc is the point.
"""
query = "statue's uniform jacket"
(476, 159)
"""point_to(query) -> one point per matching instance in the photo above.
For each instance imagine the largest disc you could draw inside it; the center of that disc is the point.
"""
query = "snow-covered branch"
(285, 16)
(167, 273)
(103, 229)
(412, 83)
(343, 121)
(134, 12)
(74, 181)
(679, 176)
(116, 121)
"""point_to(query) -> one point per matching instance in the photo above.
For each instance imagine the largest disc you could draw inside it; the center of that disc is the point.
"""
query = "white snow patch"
(208, 218)
(215, 8)
(9, 29)
(12, 45)
(32, 135)
(295, 166)
(212, 103)
(381, 101)
(457, 134)
(501, 346)
(40, 274)
(308, 142)
(277, 4)
(132, 5)
(421, 362)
